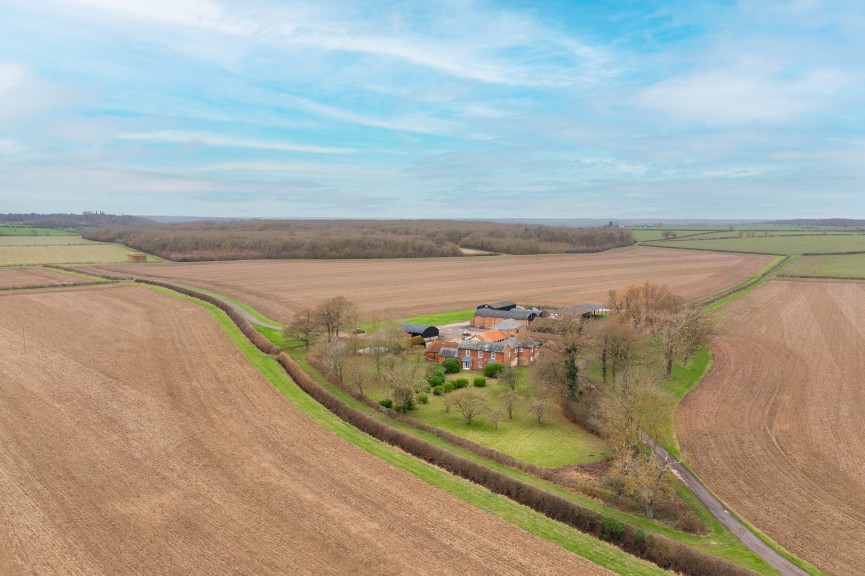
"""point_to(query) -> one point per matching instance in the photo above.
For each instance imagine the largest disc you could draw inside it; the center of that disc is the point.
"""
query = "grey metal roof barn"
(515, 314)
(507, 324)
(420, 330)
(502, 305)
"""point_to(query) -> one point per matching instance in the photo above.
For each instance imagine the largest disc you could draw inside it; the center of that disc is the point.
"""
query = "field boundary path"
(725, 517)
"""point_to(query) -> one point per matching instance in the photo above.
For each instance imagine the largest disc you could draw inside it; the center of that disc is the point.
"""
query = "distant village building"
(583, 310)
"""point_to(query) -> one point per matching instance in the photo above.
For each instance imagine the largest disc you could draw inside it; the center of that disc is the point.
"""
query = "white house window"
(480, 354)
(492, 356)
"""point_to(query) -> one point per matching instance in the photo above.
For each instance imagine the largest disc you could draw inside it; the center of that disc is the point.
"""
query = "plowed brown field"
(407, 287)
(776, 426)
(137, 439)
(20, 277)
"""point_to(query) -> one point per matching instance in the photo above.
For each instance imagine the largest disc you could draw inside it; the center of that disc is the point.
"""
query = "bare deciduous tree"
(510, 400)
(333, 354)
(538, 407)
(495, 416)
(471, 404)
(631, 408)
(405, 378)
(304, 326)
(509, 376)
(332, 315)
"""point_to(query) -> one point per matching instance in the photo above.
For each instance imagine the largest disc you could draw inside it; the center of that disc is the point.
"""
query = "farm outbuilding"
(422, 330)
(502, 305)
(136, 258)
(487, 317)
(583, 310)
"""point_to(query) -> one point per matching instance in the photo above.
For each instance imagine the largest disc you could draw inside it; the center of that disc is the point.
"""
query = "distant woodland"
(69, 221)
(305, 239)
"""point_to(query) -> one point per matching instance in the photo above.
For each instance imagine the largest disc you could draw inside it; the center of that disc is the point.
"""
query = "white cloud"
(216, 140)
(741, 94)
(12, 76)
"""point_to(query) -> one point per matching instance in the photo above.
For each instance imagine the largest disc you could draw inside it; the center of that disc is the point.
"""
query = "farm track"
(406, 287)
(775, 427)
(136, 435)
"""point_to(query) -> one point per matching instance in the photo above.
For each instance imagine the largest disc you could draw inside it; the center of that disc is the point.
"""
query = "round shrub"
(436, 380)
(438, 390)
(448, 386)
(387, 403)
(493, 369)
(461, 383)
(451, 365)
(480, 382)
(422, 399)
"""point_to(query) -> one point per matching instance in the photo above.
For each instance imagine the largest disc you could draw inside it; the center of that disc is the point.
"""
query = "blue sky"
(561, 109)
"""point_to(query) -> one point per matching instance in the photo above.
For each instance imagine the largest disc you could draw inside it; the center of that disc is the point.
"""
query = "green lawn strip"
(581, 544)
(442, 318)
(682, 379)
(718, 542)
(29, 231)
(841, 266)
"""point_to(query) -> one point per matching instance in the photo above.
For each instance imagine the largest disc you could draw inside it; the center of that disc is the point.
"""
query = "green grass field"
(835, 266)
(10, 230)
(779, 244)
(553, 442)
(32, 250)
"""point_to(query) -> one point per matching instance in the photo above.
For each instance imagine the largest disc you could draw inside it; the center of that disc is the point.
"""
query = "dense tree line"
(64, 221)
(194, 241)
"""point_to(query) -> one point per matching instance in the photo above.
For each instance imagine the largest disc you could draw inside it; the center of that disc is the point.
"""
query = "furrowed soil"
(30, 250)
(137, 439)
(406, 287)
(775, 428)
(21, 277)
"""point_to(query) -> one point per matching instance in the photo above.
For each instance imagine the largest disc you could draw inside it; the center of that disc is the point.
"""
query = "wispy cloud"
(216, 140)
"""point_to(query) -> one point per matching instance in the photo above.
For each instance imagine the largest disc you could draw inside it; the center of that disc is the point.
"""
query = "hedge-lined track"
(775, 428)
(24, 277)
(407, 287)
(134, 433)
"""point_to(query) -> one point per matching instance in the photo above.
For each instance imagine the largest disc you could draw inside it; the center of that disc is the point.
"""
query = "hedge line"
(662, 551)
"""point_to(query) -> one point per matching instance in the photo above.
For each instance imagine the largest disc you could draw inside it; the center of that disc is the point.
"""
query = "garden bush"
(436, 380)
(492, 369)
(480, 382)
(422, 399)
(448, 386)
(438, 390)
(387, 403)
(461, 383)
(451, 365)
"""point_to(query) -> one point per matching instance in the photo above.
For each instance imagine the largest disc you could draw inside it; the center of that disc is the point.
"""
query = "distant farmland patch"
(30, 250)
(15, 277)
(773, 244)
(410, 287)
(835, 266)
